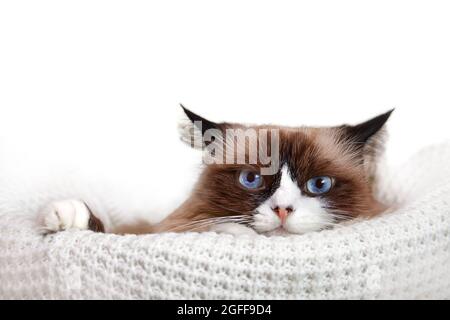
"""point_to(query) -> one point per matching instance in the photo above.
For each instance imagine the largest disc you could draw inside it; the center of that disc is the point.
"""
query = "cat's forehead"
(312, 149)
(304, 150)
(301, 142)
(310, 142)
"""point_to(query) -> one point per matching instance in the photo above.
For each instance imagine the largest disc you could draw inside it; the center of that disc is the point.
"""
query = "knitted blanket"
(402, 254)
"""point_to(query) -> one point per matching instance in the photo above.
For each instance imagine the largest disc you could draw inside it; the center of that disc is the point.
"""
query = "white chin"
(278, 232)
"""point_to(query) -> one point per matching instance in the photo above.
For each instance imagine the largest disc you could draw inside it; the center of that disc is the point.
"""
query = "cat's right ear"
(192, 128)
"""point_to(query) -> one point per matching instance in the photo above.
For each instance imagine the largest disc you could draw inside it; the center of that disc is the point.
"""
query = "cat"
(323, 176)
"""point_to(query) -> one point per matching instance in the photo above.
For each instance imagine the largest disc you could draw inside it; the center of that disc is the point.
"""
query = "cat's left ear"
(367, 133)
(367, 139)
(192, 128)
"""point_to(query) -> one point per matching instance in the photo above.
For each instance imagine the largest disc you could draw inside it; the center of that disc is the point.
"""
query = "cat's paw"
(233, 228)
(64, 215)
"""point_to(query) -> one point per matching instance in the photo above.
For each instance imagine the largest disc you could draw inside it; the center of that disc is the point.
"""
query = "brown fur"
(94, 223)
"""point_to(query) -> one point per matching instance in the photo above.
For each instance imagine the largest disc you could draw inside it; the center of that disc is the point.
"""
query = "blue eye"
(250, 180)
(319, 185)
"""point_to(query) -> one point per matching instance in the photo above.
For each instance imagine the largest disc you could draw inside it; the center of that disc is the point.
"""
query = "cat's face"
(322, 178)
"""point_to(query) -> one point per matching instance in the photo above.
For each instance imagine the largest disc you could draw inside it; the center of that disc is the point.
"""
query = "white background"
(106, 77)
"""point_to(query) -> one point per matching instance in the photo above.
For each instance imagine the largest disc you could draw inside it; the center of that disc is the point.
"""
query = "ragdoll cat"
(324, 176)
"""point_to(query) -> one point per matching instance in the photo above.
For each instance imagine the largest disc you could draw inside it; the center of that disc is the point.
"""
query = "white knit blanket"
(403, 254)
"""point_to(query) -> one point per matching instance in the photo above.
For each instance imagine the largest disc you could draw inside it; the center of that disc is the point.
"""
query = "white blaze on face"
(307, 213)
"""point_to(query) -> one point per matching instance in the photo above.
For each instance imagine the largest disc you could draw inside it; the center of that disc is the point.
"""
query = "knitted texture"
(403, 254)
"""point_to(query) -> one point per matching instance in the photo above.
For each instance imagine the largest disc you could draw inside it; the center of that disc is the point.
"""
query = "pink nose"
(282, 212)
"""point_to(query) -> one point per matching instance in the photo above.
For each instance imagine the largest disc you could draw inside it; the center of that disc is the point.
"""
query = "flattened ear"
(191, 125)
(367, 139)
(362, 133)
(196, 120)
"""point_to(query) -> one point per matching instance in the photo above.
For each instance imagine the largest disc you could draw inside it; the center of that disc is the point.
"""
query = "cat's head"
(321, 176)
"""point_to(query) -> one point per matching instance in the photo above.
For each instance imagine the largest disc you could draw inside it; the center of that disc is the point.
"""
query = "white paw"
(233, 228)
(64, 215)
